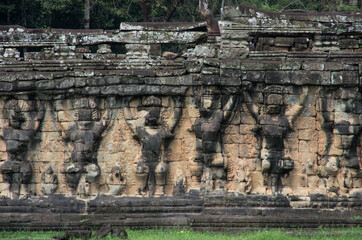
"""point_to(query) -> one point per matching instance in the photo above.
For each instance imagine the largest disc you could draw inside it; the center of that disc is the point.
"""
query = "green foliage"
(158, 8)
(108, 14)
(6, 7)
(50, 6)
(347, 8)
(250, 3)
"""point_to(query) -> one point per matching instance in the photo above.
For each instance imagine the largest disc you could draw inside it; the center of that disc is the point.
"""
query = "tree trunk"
(23, 13)
(87, 14)
(49, 20)
(146, 11)
(212, 24)
(222, 9)
(8, 13)
(171, 10)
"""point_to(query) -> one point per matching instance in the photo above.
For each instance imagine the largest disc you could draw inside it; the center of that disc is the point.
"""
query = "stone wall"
(220, 124)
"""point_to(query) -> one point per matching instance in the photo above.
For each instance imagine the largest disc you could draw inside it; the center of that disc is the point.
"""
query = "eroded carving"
(342, 127)
(116, 182)
(49, 181)
(83, 121)
(153, 125)
(273, 121)
(215, 110)
(23, 118)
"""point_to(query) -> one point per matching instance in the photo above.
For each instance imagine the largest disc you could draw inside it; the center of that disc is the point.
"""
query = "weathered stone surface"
(103, 232)
(263, 121)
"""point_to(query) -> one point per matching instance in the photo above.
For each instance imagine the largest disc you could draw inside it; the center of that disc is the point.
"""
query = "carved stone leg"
(275, 182)
(160, 177)
(151, 184)
(142, 173)
(207, 180)
(72, 176)
(196, 174)
(219, 176)
(143, 180)
(15, 188)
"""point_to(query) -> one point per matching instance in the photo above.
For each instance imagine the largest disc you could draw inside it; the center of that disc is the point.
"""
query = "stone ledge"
(189, 211)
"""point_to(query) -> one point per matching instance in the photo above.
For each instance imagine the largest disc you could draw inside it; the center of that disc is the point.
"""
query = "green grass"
(178, 234)
(25, 234)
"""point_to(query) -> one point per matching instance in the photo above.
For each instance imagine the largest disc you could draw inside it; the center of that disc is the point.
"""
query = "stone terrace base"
(211, 212)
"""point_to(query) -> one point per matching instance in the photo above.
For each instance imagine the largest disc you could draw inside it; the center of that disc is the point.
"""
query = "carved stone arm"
(294, 111)
(176, 116)
(130, 119)
(129, 115)
(229, 106)
(251, 107)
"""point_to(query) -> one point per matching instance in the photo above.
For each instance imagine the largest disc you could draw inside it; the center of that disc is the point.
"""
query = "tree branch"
(171, 10)
(145, 10)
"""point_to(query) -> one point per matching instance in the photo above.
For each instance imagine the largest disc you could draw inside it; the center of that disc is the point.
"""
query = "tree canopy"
(107, 14)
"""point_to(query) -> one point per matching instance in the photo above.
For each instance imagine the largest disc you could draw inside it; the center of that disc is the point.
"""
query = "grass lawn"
(279, 234)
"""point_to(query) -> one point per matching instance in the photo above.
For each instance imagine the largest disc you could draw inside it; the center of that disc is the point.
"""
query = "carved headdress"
(151, 101)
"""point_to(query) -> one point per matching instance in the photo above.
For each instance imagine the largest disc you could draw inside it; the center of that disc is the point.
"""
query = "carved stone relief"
(145, 123)
(83, 121)
(115, 181)
(215, 111)
(153, 123)
(341, 123)
(23, 118)
(273, 120)
(49, 181)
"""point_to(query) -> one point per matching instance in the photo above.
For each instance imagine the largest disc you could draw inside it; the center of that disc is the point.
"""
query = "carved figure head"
(16, 120)
(274, 103)
(153, 106)
(209, 103)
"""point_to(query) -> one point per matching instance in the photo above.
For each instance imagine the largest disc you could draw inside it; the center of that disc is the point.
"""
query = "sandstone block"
(6, 87)
(344, 78)
(284, 41)
(348, 43)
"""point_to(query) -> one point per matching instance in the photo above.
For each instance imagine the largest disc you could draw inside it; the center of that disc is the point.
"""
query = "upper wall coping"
(163, 26)
(242, 11)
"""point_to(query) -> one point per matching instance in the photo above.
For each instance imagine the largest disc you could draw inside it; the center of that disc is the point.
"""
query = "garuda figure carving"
(273, 121)
(24, 117)
(83, 120)
(215, 110)
(342, 127)
(153, 126)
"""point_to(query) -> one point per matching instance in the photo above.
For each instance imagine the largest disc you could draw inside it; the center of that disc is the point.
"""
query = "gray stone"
(6, 87)
(210, 79)
(45, 85)
(344, 78)
(348, 43)
(284, 41)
